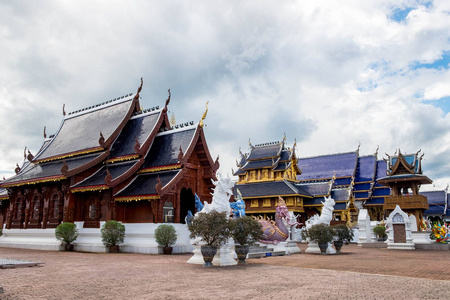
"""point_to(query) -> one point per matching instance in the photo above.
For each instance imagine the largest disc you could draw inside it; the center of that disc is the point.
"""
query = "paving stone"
(358, 273)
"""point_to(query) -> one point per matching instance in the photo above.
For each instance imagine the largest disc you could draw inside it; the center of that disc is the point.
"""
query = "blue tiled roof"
(239, 172)
(342, 181)
(361, 187)
(381, 169)
(381, 192)
(435, 210)
(271, 188)
(314, 201)
(261, 152)
(339, 195)
(321, 167)
(366, 168)
(282, 166)
(257, 164)
(316, 189)
(340, 206)
(435, 197)
(362, 195)
(374, 201)
(285, 155)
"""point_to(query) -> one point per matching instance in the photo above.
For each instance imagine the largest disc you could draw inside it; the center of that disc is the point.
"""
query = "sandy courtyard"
(358, 273)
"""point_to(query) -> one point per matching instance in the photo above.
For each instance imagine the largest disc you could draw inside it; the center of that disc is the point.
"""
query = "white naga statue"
(221, 196)
(325, 216)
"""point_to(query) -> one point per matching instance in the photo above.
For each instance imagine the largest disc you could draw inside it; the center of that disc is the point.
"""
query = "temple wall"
(139, 238)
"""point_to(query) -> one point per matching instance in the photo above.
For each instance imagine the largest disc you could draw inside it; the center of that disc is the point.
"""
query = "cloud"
(330, 74)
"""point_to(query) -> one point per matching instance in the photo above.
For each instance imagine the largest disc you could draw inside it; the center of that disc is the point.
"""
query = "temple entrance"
(187, 202)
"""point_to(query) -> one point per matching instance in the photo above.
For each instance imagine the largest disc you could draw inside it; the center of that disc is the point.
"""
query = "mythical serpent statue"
(326, 215)
(221, 196)
(276, 231)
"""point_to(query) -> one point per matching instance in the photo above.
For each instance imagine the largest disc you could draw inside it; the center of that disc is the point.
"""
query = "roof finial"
(250, 143)
(359, 145)
(136, 97)
(30, 156)
(45, 134)
(64, 111)
(173, 121)
(284, 138)
(201, 124)
(25, 153)
(376, 151)
(168, 99)
(17, 169)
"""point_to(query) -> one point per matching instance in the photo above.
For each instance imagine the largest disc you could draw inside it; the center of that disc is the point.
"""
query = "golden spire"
(173, 121)
(204, 116)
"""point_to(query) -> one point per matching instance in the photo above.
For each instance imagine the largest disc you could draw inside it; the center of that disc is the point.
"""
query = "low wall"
(139, 238)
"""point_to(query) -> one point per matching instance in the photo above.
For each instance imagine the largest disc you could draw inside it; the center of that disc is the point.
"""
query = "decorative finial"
(280, 202)
(25, 153)
(168, 99)
(45, 134)
(64, 111)
(250, 143)
(284, 138)
(30, 156)
(201, 124)
(180, 155)
(359, 145)
(173, 121)
(376, 151)
(17, 169)
(136, 97)
(137, 145)
(101, 140)
(240, 152)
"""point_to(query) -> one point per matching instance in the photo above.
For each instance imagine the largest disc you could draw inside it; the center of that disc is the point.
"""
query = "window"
(92, 211)
(168, 212)
(55, 203)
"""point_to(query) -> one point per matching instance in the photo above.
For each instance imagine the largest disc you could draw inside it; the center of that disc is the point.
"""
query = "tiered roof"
(117, 142)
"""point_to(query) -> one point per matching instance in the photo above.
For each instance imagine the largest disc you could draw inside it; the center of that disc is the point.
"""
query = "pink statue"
(276, 231)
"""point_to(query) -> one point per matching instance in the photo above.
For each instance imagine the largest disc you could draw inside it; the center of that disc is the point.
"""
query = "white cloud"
(329, 73)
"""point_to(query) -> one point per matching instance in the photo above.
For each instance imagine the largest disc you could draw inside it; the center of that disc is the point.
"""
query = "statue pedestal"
(288, 247)
(223, 257)
(314, 248)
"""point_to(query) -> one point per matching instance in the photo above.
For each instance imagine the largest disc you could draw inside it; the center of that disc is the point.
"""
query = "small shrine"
(404, 178)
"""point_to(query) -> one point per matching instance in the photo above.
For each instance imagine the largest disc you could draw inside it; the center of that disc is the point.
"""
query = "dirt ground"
(357, 273)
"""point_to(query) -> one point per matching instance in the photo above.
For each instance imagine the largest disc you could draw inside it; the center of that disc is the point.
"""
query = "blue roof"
(266, 151)
(342, 181)
(377, 201)
(322, 167)
(362, 187)
(362, 195)
(316, 189)
(339, 195)
(340, 206)
(256, 164)
(381, 192)
(381, 169)
(366, 168)
(435, 210)
(435, 197)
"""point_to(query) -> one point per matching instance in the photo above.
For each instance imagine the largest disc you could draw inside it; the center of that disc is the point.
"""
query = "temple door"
(187, 202)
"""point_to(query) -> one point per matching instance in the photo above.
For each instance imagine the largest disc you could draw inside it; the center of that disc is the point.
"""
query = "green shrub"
(343, 233)
(66, 233)
(1, 232)
(380, 231)
(246, 230)
(113, 233)
(165, 235)
(213, 228)
(319, 233)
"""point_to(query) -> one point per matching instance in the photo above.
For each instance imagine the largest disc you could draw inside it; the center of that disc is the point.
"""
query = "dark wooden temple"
(111, 161)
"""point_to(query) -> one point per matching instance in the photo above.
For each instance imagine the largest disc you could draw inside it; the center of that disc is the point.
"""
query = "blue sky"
(331, 74)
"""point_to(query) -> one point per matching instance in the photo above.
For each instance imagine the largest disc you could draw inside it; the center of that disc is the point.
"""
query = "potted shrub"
(66, 233)
(343, 234)
(322, 234)
(246, 231)
(113, 234)
(380, 232)
(166, 236)
(213, 229)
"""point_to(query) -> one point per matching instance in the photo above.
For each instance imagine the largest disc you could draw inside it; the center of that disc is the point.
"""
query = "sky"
(329, 74)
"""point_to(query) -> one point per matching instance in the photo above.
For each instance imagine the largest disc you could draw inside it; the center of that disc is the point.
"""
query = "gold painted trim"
(136, 198)
(121, 158)
(89, 189)
(69, 155)
(162, 168)
(59, 178)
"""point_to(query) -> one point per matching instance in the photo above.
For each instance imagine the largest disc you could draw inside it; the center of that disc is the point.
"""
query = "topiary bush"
(113, 233)
(165, 235)
(343, 233)
(213, 228)
(246, 230)
(319, 233)
(380, 231)
(66, 233)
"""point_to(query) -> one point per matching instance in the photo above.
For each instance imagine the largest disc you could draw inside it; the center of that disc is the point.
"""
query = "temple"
(354, 181)
(111, 161)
